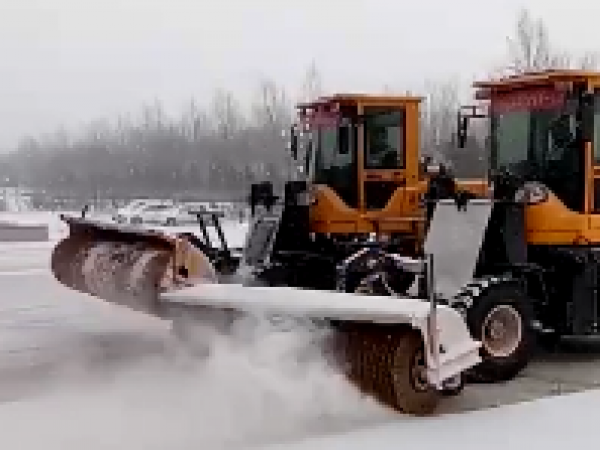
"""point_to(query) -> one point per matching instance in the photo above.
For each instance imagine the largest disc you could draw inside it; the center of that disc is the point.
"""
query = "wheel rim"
(502, 331)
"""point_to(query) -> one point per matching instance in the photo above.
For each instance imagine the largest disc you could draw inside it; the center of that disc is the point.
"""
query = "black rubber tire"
(498, 369)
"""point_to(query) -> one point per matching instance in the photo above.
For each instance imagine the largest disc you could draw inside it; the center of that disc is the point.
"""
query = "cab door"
(384, 157)
(593, 175)
(594, 178)
(595, 163)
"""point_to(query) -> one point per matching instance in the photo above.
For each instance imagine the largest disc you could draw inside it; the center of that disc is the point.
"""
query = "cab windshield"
(526, 139)
(534, 139)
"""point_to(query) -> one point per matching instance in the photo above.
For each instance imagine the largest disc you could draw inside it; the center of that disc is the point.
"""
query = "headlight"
(532, 193)
(311, 197)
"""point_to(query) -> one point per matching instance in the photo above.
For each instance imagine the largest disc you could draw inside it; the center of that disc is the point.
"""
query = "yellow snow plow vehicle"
(312, 253)
(418, 296)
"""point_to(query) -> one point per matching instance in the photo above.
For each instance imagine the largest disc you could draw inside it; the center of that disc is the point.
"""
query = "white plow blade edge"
(458, 351)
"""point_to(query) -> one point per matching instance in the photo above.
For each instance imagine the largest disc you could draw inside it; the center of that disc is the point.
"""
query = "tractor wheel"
(501, 319)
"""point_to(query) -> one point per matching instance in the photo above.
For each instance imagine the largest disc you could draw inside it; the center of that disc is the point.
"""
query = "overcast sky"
(65, 62)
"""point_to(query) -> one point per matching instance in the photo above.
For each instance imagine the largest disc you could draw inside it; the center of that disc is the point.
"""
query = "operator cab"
(545, 127)
(358, 146)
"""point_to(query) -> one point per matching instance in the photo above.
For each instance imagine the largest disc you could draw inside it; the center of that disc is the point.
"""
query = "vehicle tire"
(500, 317)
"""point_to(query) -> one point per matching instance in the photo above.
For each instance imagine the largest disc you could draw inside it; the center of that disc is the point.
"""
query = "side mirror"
(587, 117)
(462, 130)
(294, 142)
(308, 157)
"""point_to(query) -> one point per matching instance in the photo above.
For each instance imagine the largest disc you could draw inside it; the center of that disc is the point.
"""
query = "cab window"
(597, 127)
(384, 138)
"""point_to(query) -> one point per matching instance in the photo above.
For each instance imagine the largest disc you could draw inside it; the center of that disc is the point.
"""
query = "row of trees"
(221, 149)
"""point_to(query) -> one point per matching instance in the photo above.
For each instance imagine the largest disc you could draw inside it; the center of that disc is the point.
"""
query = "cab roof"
(348, 99)
(550, 77)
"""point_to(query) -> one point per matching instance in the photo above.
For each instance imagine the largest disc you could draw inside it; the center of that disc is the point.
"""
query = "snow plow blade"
(126, 265)
(404, 352)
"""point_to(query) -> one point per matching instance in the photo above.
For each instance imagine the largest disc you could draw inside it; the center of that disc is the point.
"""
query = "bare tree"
(153, 115)
(194, 122)
(530, 49)
(271, 108)
(226, 114)
(312, 86)
(438, 114)
(589, 61)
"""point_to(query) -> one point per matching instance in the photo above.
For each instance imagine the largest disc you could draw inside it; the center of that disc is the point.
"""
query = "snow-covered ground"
(75, 372)
(79, 373)
(549, 424)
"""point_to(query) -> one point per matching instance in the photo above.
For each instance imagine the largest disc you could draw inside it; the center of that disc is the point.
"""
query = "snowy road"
(83, 370)
(114, 379)
(45, 328)
(78, 373)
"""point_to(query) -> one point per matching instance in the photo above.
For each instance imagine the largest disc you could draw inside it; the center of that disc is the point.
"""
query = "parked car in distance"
(129, 213)
(163, 214)
(123, 215)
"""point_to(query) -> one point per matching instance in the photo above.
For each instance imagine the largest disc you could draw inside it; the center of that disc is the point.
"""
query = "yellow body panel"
(402, 213)
(552, 223)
